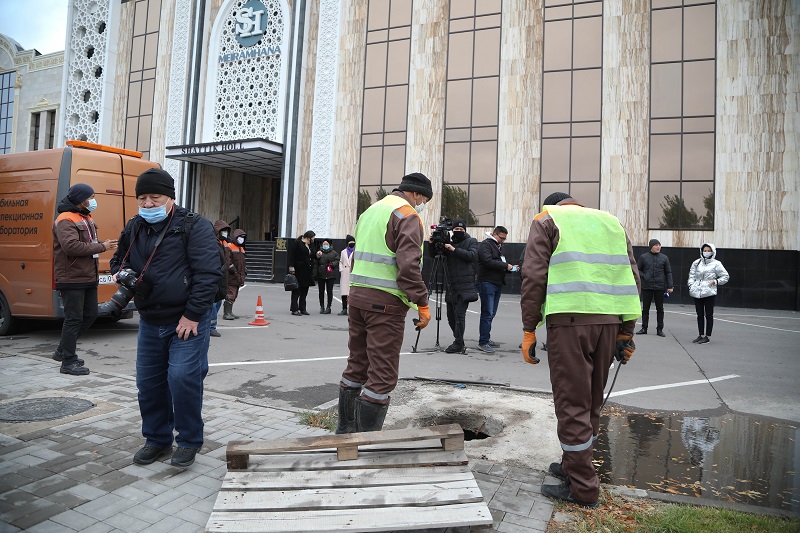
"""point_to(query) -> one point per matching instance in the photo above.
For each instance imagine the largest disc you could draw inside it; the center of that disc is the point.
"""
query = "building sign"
(251, 22)
(211, 148)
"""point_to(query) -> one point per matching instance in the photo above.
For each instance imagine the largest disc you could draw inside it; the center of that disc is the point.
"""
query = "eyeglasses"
(501, 237)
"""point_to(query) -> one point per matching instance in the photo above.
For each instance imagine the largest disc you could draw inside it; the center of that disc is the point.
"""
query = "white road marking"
(734, 322)
(277, 361)
(672, 385)
(758, 316)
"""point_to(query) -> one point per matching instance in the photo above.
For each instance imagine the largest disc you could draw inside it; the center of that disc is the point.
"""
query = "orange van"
(31, 185)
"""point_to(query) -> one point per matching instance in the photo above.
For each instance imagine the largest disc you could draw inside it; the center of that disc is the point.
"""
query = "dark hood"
(238, 232)
(65, 206)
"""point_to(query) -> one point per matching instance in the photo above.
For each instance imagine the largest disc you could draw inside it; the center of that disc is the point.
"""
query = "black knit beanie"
(556, 197)
(460, 223)
(417, 182)
(155, 181)
(653, 242)
(79, 193)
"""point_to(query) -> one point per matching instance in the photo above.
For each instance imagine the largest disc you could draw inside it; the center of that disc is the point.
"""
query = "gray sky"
(40, 24)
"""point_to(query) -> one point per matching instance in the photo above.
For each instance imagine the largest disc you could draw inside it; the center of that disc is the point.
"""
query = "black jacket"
(461, 264)
(303, 262)
(181, 279)
(655, 272)
(321, 264)
(491, 267)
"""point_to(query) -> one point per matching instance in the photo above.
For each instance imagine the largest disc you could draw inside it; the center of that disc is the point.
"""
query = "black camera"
(127, 280)
(441, 234)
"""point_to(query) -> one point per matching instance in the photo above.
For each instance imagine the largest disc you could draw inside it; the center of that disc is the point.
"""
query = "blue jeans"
(490, 300)
(169, 376)
(215, 310)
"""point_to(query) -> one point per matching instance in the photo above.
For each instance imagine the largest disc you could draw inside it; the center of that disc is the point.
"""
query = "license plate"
(106, 279)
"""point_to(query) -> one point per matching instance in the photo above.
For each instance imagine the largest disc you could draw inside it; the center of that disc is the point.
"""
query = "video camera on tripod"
(441, 234)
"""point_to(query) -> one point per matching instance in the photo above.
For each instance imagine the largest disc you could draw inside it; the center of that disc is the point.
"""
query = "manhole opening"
(40, 409)
(476, 425)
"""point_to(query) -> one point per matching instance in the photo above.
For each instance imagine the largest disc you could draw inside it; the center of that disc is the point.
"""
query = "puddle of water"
(730, 457)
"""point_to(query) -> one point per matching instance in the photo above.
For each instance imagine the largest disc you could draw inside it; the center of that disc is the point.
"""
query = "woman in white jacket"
(345, 266)
(705, 276)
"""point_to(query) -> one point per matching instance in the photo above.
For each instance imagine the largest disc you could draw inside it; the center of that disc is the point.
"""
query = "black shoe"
(555, 470)
(75, 369)
(297, 313)
(215, 333)
(561, 492)
(494, 344)
(343, 312)
(327, 311)
(698, 339)
(304, 312)
(149, 454)
(454, 348)
(322, 310)
(58, 356)
(642, 331)
(704, 340)
(660, 333)
(183, 457)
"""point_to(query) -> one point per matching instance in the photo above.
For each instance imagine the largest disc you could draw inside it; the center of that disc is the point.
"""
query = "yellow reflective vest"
(590, 271)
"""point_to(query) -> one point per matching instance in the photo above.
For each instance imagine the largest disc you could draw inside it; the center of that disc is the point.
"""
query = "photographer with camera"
(461, 254)
(177, 262)
(75, 252)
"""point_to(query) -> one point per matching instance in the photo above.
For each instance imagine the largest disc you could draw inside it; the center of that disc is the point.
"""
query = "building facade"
(680, 117)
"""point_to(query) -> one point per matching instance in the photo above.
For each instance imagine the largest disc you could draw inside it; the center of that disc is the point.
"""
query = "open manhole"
(475, 424)
(38, 409)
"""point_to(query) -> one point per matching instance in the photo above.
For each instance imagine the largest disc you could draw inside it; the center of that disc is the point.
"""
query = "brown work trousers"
(579, 357)
(375, 341)
(233, 293)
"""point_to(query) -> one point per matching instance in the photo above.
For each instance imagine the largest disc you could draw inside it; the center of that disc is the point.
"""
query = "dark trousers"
(457, 317)
(647, 297)
(325, 284)
(705, 308)
(344, 302)
(80, 312)
(299, 299)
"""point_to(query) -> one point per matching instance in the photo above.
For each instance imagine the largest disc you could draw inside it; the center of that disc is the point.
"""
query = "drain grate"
(37, 409)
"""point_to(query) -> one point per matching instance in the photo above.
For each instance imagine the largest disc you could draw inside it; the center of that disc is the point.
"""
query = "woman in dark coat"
(325, 267)
(301, 265)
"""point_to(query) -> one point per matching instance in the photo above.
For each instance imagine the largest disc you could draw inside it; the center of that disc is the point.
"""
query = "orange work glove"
(424, 316)
(625, 348)
(529, 347)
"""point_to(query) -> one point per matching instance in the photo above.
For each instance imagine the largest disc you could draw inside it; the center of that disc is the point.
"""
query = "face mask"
(92, 205)
(708, 255)
(420, 208)
(240, 240)
(152, 215)
(325, 247)
(459, 236)
(224, 234)
(351, 245)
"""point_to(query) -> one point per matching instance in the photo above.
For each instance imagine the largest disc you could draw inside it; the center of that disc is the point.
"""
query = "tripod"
(437, 284)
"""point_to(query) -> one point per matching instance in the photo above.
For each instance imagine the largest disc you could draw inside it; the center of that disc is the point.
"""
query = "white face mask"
(708, 255)
(240, 240)
(420, 208)
(224, 234)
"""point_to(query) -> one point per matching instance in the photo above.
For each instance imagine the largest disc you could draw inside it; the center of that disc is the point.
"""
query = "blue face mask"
(326, 247)
(92, 205)
(153, 215)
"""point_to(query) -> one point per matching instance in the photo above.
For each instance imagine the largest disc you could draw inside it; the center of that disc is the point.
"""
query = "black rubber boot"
(370, 416)
(228, 311)
(347, 409)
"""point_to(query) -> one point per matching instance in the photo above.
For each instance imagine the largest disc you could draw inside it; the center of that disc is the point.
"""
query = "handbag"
(290, 282)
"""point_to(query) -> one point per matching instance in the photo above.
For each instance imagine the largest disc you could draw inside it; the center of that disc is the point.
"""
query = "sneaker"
(75, 369)
(485, 348)
(698, 339)
(494, 344)
(642, 331)
(454, 348)
(704, 340)
(561, 492)
(58, 356)
(660, 333)
(556, 471)
(297, 313)
(149, 454)
(343, 312)
(183, 457)
(215, 333)
(304, 313)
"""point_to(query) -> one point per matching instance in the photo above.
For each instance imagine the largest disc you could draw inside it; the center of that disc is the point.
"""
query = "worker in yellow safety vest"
(385, 282)
(580, 277)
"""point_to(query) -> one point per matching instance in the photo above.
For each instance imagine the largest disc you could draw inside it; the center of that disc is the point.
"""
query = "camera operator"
(461, 254)
(178, 260)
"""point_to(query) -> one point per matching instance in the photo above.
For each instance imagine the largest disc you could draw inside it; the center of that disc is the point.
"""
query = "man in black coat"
(461, 257)
(656, 275)
(492, 268)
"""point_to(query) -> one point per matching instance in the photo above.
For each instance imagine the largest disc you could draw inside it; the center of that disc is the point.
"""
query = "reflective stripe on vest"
(375, 264)
(590, 271)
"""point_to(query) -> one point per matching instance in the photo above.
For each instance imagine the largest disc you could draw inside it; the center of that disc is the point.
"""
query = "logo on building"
(251, 23)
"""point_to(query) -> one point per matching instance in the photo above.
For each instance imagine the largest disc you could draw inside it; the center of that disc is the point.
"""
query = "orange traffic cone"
(259, 319)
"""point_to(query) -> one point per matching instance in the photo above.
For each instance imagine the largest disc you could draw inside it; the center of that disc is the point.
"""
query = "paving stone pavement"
(77, 474)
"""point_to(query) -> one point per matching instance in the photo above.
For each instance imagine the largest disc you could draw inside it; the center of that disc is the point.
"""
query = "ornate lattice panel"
(86, 56)
(248, 98)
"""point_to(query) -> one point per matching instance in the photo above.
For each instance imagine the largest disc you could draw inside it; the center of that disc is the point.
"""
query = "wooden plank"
(371, 460)
(323, 499)
(343, 478)
(361, 520)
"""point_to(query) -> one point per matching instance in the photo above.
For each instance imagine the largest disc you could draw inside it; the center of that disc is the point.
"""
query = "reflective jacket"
(703, 271)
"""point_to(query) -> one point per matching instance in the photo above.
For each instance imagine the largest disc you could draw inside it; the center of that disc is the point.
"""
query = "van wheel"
(7, 322)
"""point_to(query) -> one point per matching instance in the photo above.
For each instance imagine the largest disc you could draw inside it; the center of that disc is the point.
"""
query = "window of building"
(142, 78)
(7, 81)
(51, 129)
(384, 116)
(682, 114)
(571, 99)
(471, 111)
(36, 119)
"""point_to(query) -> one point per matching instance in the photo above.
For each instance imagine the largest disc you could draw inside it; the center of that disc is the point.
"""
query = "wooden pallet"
(380, 481)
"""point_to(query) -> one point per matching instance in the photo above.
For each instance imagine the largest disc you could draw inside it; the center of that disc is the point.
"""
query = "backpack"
(222, 284)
